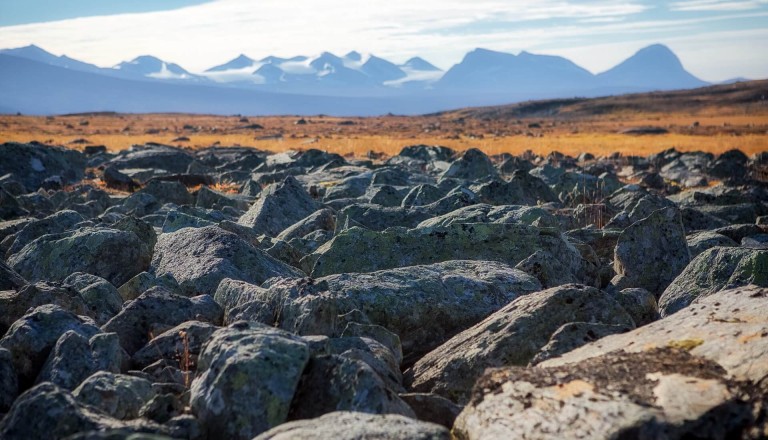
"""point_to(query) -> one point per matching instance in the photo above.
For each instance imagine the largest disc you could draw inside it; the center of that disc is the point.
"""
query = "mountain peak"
(420, 64)
(652, 67)
(354, 56)
(240, 62)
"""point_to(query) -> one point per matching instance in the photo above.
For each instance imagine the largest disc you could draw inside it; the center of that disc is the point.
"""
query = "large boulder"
(510, 336)
(199, 258)
(344, 425)
(30, 164)
(57, 223)
(278, 207)
(651, 252)
(701, 241)
(660, 393)
(15, 304)
(112, 254)
(248, 374)
(713, 270)
(9, 382)
(362, 250)
(101, 297)
(119, 395)
(159, 158)
(179, 345)
(472, 164)
(9, 279)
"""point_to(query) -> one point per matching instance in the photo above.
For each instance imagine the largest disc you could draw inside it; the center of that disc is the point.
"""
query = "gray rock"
(9, 383)
(14, 305)
(159, 307)
(145, 281)
(701, 241)
(521, 189)
(30, 164)
(142, 229)
(75, 357)
(57, 223)
(109, 253)
(119, 395)
(336, 383)
(153, 156)
(198, 259)
(377, 333)
(547, 269)
(651, 252)
(713, 270)
(361, 250)
(510, 336)
(278, 207)
(180, 344)
(432, 408)
(162, 407)
(101, 297)
(47, 411)
(660, 393)
(322, 220)
(176, 220)
(210, 199)
(472, 164)
(482, 213)
(640, 304)
(377, 355)
(344, 425)
(247, 376)
(573, 335)
(421, 195)
(31, 338)
(10, 207)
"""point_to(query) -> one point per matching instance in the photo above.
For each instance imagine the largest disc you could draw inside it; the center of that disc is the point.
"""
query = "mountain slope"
(654, 67)
(241, 62)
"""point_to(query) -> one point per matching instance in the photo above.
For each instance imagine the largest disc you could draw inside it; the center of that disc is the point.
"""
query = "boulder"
(75, 357)
(10, 207)
(362, 250)
(547, 269)
(198, 259)
(322, 220)
(159, 308)
(168, 192)
(701, 241)
(30, 164)
(160, 158)
(573, 335)
(180, 345)
(344, 425)
(511, 336)
(651, 252)
(659, 393)
(57, 223)
(9, 382)
(640, 304)
(101, 297)
(713, 270)
(14, 305)
(432, 408)
(472, 164)
(109, 253)
(278, 207)
(119, 395)
(247, 376)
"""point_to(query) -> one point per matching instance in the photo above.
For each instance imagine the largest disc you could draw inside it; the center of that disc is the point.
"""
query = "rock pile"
(435, 295)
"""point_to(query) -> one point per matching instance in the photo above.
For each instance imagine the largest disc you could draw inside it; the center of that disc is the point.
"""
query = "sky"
(716, 40)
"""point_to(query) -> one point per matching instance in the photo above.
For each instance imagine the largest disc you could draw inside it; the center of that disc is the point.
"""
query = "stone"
(114, 179)
(651, 252)
(640, 304)
(659, 393)
(176, 220)
(145, 281)
(472, 164)
(109, 253)
(210, 199)
(9, 383)
(101, 297)
(323, 220)
(573, 335)
(701, 241)
(373, 353)
(181, 345)
(398, 247)
(432, 408)
(547, 269)
(421, 195)
(30, 164)
(198, 259)
(153, 156)
(715, 269)
(10, 208)
(57, 223)
(344, 425)
(119, 395)
(75, 357)
(278, 207)
(31, 338)
(247, 376)
(511, 336)
(14, 305)
(159, 307)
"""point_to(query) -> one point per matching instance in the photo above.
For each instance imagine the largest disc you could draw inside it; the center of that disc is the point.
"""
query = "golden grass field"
(723, 122)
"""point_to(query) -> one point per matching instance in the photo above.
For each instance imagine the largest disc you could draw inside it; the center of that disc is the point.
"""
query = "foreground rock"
(353, 426)
(661, 393)
(510, 336)
(278, 207)
(30, 164)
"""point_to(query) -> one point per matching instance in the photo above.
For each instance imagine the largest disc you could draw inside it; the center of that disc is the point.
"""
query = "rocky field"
(231, 293)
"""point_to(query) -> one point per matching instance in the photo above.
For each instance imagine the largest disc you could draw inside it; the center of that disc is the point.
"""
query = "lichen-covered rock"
(30, 164)
(510, 336)
(423, 305)
(521, 189)
(31, 338)
(483, 213)
(727, 327)
(155, 308)
(180, 344)
(198, 259)
(640, 304)
(472, 164)
(57, 223)
(713, 270)
(9, 383)
(119, 395)
(372, 352)
(432, 408)
(547, 269)
(278, 207)
(651, 252)
(573, 335)
(75, 357)
(109, 253)
(160, 158)
(701, 241)
(9, 279)
(145, 281)
(47, 411)
(248, 374)
(322, 220)
(362, 250)
(14, 305)
(660, 393)
(343, 425)
(337, 383)
(101, 297)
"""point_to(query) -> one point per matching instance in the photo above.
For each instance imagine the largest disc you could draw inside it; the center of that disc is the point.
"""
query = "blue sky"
(715, 39)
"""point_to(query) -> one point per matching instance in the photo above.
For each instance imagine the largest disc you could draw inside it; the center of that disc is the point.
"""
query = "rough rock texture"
(9, 383)
(573, 335)
(119, 395)
(101, 297)
(432, 408)
(75, 357)
(159, 308)
(181, 344)
(57, 223)
(640, 304)
(248, 374)
(472, 164)
(32, 163)
(322, 220)
(109, 253)
(651, 252)
(701, 241)
(661, 393)
(278, 207)
(361, 250)
(510, 336)
(353, 426)
(14, 305)
(715, 269)
(198, 259)
(9, 279)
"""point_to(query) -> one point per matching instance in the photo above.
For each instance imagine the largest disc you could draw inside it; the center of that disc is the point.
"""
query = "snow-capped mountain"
(147, 66)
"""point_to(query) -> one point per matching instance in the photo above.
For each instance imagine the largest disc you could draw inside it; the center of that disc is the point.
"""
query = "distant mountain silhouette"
(350, 85)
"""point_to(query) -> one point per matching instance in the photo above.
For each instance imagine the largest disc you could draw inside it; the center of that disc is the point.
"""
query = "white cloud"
(716, 5)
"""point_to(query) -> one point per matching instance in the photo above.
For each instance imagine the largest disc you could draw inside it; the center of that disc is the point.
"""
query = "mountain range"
(35, 81)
